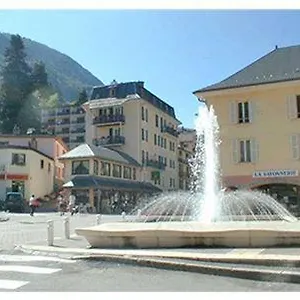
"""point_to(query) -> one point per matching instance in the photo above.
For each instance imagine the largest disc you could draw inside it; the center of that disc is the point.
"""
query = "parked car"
(14, 202)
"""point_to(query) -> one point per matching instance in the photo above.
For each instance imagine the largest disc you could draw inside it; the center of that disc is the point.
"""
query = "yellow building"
(258, 110)
(25, 170)
(130, 118)
(186, 150)
(109, 180)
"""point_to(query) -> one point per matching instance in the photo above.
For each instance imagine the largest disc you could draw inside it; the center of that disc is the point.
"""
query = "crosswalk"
(16, 270)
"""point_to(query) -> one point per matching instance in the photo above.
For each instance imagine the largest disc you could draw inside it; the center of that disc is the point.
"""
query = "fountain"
(207, 215)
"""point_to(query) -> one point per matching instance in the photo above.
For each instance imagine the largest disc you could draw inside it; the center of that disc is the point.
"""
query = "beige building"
(67, 122)
(108, 180)
(25, 170)
(186, 150)
(47, 144)
(258, 109)
(130, 118)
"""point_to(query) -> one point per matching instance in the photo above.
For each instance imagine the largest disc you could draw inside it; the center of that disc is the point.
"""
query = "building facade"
(25, 170)
(49, 145)
(186, 150)
(258, 110)
(108, 180)
(67, 122)
(130, 118)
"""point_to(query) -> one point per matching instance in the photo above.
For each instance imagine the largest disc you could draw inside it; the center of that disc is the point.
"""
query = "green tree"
(82, 97)
(16, 84)
(39, 75)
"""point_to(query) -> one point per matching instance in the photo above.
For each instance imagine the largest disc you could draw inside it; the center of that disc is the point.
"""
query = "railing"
(170, 130)
(109, 119)
(77, 111)
(63, 112)
(77, 121)
(78, 130)
(63, 122)
(110, 140)
(155, 164)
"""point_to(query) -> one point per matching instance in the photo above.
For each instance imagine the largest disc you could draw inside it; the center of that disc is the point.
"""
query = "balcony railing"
(63, 112)
(77, 121)
(155, 164)
(110, 140)
(77, 111)
(78, 130)
(109, 119)
(63, 122)
(170, 130)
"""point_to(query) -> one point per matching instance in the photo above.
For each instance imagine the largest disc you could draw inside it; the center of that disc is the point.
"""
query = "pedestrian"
(72, 200)
(32, 205)
(61, 205)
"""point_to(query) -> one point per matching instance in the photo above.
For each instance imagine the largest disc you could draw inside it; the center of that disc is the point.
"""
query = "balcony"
(170, 130)
(77, 111)
(107, 120)
(78, 130)
(155, 164)
(63, 112)
(63, 122)
(78, 121)
(116, 140)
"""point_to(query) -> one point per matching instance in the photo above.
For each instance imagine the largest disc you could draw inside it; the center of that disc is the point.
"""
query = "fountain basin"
(192, 234)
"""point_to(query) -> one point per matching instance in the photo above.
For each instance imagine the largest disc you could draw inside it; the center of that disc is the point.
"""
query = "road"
(24, 229)
(19, 272)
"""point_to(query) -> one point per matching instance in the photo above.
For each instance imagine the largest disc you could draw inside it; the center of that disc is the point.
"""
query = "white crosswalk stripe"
(22, 268)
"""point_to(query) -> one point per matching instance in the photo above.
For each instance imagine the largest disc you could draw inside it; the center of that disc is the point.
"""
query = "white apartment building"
(67, 122)
(130, 118)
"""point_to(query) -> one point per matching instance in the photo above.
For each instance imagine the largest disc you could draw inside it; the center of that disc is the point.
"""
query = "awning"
(110, 183)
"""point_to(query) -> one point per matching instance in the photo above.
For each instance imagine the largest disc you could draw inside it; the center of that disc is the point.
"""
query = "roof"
(24, 148)
(109, 183)
(134, 89)
(101, 103)
(281, 64)
(37, 136)
(86, 150)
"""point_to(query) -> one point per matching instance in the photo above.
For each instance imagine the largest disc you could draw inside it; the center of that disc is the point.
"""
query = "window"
(243, 112)
(134, 174)
(146, 115)
(80, 167)
(143, 156)
(42, 164)
(158, 140)
(105, 168)
(143, 113)
(146, 131)
(127, 173)
(298, 105)
(96, 167)
(155, 141)
(49, 167)
(18, 159)
(156, 120)
(143, 134)
(245, 151)
(117, 171)
(113, 92)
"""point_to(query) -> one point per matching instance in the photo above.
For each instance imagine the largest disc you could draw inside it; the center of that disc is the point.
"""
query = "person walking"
(32, 205)
(72, 200)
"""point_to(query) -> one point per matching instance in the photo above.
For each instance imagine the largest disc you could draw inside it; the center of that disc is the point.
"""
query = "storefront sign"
(275, 173)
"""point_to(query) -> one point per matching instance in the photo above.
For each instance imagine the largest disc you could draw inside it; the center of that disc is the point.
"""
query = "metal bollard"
(67, 227)
(123, 215)
(50, 233)
(98, 220)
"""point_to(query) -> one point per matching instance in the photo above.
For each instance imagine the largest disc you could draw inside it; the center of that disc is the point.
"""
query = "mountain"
(66, 75)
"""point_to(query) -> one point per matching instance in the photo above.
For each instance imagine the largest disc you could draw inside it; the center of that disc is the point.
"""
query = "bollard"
(98, 220)
(123, 215)
(67, 227)
(50, 233)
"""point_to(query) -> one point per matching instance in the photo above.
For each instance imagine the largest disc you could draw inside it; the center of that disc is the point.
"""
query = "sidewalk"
(273, 264)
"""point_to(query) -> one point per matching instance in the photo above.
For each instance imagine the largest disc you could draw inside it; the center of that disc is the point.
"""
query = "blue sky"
(173, 52)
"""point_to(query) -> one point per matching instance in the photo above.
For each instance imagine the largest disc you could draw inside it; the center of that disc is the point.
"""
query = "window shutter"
(235, 151)
(233, 112)
(254, 150)
(251, 105)
(292, 107)
(294, 142)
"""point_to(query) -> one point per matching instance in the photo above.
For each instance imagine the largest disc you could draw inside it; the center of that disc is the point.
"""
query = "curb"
(237, 272)
(163, 262)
